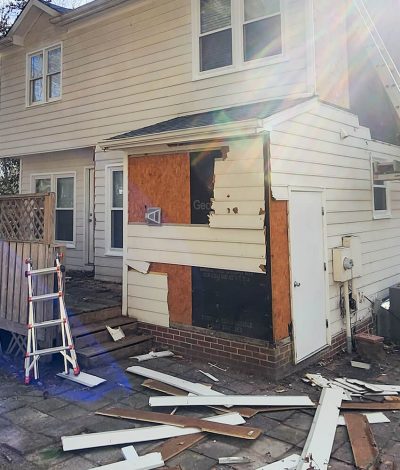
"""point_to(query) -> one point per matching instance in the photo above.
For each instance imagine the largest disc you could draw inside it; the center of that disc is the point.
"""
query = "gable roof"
(57, 8)
(245, 112)
(27, 18)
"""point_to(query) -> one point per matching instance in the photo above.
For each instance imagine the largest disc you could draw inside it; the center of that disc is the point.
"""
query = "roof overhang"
(247, 128)
(25, 22)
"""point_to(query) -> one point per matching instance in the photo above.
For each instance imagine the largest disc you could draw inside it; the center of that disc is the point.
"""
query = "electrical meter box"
(354, 243)
(342, 264)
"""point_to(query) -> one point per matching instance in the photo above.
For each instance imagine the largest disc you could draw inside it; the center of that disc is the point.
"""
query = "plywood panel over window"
(160, 181)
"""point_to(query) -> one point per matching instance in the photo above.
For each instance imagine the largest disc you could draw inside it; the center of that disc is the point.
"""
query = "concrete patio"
(33, 418)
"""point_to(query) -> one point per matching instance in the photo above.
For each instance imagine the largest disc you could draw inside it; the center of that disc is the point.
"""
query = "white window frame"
(237, 22)
(109, 169)
(28, 92)
(380, 214)
(53, 179)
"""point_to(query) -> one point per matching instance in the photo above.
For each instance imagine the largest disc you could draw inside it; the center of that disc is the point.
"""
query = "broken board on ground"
(243, 432)
(83, 378)
(130, 436)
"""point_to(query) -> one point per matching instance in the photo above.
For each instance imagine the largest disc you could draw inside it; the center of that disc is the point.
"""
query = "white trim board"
(129, 453)
(318, 446)
(147, 462)
(84, 379)
(230, 400)
(373, 418)
(189, 387)
(288, 463)
(130, 436)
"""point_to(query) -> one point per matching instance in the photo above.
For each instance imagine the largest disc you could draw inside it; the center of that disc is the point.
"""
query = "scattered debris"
(130, 436)
(152, 355)
(370, 406)
(116, 333)
(242, 432)
(233, 460)
(318, 447)
(360, 365)
(84, 379)
(363, 445)
(232, 400)
(288, 463)
(210, 376)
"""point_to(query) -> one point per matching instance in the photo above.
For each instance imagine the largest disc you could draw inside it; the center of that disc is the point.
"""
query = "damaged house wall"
(231, 246)
(328, 149)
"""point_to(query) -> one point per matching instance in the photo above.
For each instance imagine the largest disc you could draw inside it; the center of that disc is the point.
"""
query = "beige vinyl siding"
(233, 241)
(130, 71)
(148, 297)
(107, 267)
(64, 163)
(308, 151)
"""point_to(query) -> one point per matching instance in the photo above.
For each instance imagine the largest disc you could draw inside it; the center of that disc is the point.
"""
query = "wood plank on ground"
(371, 406)
(242, 432)
(363, 445)
(174, 446)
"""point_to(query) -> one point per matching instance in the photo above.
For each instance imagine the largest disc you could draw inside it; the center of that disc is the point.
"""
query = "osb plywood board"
(281, 315)
(179, 291)
(160, 181)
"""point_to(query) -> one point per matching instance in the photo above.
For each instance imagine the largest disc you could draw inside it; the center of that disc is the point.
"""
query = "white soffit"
(318, 447)
(84, 379)
(144, 434)
(182, 384)
(231, 400)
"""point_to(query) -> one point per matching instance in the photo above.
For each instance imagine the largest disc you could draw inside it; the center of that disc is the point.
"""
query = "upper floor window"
(235, 34)
(44, 75)
(380, 194)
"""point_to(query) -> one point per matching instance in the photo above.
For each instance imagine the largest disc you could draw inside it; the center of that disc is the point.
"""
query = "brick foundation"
(246, 354)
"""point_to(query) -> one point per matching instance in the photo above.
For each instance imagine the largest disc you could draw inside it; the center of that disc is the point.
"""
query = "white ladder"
(67, 349)
(381, 58)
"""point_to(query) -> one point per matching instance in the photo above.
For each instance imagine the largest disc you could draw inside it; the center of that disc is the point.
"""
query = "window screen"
(117, 209)
(216, 34)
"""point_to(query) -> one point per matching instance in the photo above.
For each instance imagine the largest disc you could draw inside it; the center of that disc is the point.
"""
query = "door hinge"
(327, 323)
(323, 210)
(325, 267)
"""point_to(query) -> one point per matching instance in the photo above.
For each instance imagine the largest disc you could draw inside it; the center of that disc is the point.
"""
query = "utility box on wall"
(347, 259)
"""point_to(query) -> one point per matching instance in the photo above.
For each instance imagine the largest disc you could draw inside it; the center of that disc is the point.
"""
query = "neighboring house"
(236, 118)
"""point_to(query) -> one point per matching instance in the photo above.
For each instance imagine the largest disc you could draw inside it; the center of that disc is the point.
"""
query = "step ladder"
(381, 58)
(67, 349)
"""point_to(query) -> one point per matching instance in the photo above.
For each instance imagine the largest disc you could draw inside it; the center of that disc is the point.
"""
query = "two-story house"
(253, 125)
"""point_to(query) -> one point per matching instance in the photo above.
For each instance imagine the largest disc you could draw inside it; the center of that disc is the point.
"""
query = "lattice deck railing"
(27, 218)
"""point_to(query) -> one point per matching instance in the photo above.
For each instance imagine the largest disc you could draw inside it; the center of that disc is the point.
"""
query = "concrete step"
(100, 334)
(93, 316)
(107, 352)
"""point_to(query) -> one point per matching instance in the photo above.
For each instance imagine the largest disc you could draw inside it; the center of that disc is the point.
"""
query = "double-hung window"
(44, 75)
(64, 188)
(115, 190)
(380, 196)
(235, 34)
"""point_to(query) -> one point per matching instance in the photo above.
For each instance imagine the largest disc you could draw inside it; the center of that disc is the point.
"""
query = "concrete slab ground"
(33, 418)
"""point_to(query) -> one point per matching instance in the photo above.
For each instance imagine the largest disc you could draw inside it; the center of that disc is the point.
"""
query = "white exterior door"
(308, 270)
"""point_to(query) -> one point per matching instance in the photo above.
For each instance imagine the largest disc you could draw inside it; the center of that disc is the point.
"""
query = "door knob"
(297, 284)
